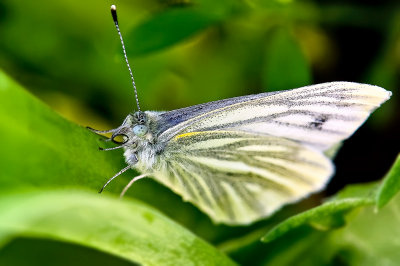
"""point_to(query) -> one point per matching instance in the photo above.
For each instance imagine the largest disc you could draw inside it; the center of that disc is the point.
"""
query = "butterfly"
(241, 159)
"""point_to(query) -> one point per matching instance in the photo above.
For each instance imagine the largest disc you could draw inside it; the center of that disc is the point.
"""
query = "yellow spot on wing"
(184, 135)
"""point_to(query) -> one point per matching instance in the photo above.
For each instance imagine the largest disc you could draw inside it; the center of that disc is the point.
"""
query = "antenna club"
(114, 13)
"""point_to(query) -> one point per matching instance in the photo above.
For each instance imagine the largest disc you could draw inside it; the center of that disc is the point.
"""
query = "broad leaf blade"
(55, 253)
(43, 150)
(40, 148)
(128, 229)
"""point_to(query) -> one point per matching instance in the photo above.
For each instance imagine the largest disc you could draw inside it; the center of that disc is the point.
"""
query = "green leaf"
(370, 238)
(55, 253)
(329, 215)
(128, 229)
(285, 64)
(390, 185)
(168, 28)
(40, 148)
(176, 24)
(332, 214)
(362, 235)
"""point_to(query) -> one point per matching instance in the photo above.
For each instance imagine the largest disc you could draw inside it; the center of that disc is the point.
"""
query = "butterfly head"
(133, 131)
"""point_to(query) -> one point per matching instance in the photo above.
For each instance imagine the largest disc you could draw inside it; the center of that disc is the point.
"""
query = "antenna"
(114, 16)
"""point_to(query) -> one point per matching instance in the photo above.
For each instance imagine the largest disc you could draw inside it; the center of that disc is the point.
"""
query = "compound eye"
(119, 138)
(140, 130)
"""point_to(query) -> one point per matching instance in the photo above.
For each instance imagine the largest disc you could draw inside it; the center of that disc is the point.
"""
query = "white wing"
(236, 177)
(318, 115)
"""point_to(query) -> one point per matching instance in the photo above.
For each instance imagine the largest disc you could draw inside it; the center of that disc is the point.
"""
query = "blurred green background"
(68, 54)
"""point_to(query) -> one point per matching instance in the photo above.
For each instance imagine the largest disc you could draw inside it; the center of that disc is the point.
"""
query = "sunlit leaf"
(40, 148)
(128, 229)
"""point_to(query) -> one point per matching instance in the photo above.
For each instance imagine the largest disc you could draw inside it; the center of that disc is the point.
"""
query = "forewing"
(236, 177)
(318, 116)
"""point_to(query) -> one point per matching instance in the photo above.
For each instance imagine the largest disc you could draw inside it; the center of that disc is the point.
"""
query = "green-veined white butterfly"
(243, 158)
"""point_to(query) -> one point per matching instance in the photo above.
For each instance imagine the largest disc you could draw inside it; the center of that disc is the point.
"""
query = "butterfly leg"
(131, 182)
(112, 178)
(110, 149)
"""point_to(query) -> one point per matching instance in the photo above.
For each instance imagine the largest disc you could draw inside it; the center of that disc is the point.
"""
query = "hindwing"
(238, 177)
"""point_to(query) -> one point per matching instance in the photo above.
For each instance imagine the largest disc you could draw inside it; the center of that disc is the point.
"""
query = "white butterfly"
(241, 159)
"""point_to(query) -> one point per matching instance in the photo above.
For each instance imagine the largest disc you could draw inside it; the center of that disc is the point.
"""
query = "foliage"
(67, 54)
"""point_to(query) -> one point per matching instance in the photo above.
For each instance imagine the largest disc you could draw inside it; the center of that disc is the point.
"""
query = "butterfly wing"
(237, 177)
(318, 116)
(241, 159)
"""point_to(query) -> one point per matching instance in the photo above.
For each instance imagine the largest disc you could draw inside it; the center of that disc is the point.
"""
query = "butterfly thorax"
(140, 142)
